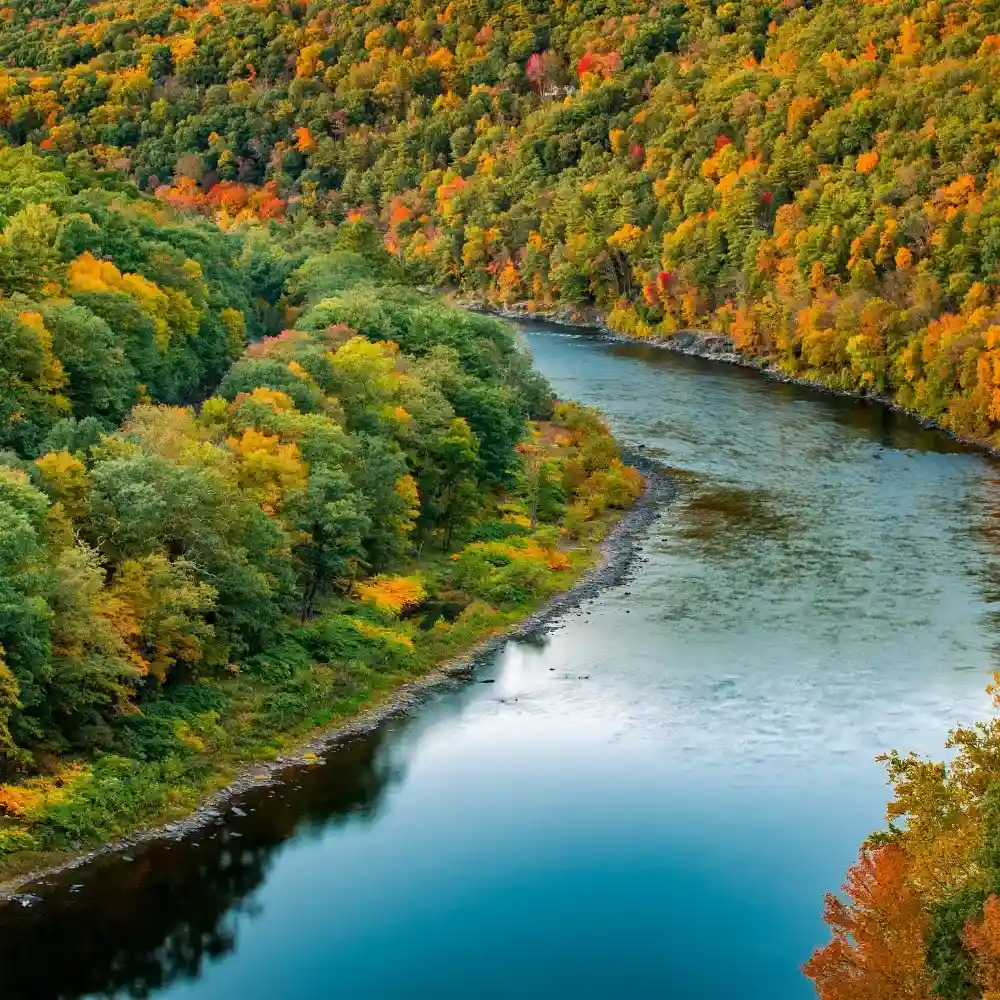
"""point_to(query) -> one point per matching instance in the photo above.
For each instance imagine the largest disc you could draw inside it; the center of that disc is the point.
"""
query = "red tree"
(877, 950)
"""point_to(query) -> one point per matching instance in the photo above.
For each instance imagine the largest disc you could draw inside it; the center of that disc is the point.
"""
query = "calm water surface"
(649, 802)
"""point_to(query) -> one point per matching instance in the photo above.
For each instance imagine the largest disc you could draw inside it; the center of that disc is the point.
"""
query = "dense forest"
(816, 179)
(217, 530)
(248, 473)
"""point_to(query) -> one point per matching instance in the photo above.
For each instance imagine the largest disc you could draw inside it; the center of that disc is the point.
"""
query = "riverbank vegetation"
(217, 535)
(817, 180)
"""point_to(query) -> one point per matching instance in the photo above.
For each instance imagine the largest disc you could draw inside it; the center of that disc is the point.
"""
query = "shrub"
(495, 531)
(393, 593)
(280, 663)
(344, 638)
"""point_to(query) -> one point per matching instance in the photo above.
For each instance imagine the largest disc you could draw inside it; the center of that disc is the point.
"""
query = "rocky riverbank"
(713, 347)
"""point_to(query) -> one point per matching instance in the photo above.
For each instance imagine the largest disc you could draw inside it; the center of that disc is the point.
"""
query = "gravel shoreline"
(616, 554)
(715, 347)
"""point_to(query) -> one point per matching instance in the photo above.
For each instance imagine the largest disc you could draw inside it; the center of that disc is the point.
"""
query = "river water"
(650, 801)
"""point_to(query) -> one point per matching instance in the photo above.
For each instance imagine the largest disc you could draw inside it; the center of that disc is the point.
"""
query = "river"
(650, 801)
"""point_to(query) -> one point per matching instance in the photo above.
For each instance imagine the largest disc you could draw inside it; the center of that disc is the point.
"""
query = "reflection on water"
(684, 764)
(135, 927)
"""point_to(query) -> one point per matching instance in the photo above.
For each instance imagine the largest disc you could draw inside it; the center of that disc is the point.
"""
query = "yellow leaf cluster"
(273, 398)
(626, 238)
(66, 478)
(182, 49)
(26, 800)
(269, 470)
(308, 61)
(393, 593)
(87, 274)
(53, 375)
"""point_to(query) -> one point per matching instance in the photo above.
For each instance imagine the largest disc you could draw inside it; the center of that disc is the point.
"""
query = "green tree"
(28, 255)
(330, 516)
(25, 617)
(102, 382)
(449, 487)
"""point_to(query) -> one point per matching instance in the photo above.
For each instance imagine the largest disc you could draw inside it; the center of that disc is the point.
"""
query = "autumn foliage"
(818, 181)
(820, 178)
(206, 544)
(920, 913)
(879, 934)
(393, 593)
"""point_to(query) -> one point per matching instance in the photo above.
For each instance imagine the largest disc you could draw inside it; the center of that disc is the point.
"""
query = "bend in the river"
(649, 801)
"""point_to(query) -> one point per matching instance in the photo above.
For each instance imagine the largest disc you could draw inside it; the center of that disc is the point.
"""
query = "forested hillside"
(817, 179)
